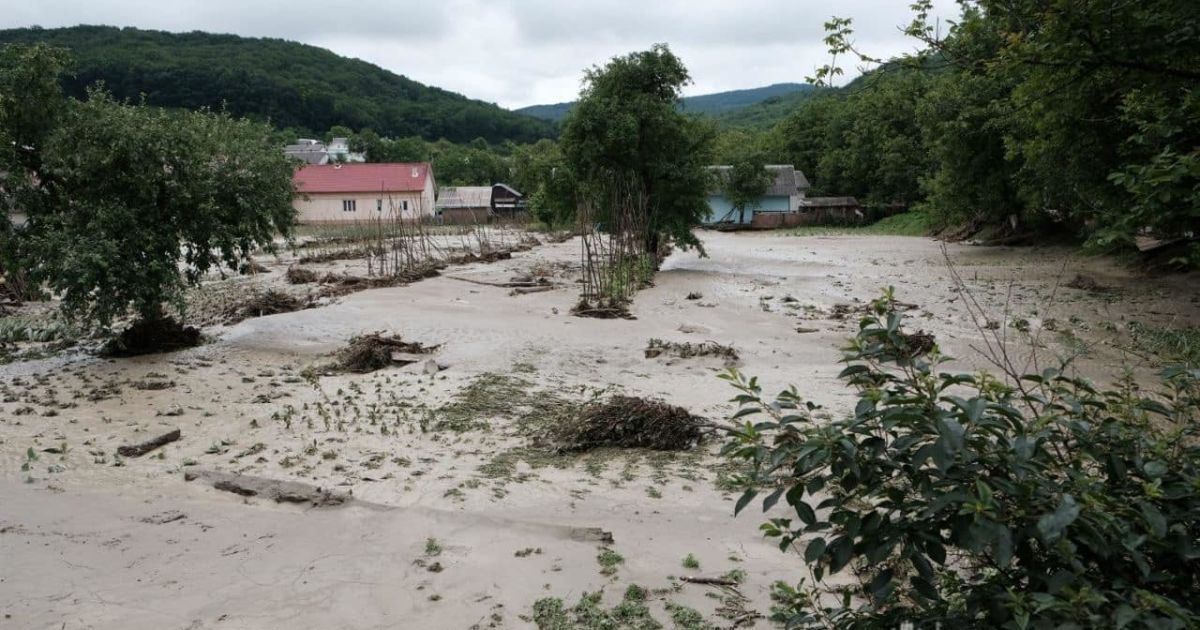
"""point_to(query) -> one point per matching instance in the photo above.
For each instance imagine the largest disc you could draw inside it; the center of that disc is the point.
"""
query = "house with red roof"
(347, 193)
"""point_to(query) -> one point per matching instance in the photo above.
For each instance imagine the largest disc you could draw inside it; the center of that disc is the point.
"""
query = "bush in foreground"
(969, 501)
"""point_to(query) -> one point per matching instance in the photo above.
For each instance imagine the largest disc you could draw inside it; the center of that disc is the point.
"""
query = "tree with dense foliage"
(290, 84)
(626, 129)
(540, 172)
(966, 501)
(125, 205)
(745, 182)
(1032, 115)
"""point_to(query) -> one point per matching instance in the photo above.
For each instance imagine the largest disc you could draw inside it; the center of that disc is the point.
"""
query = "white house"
(312, 151)
(347, 193)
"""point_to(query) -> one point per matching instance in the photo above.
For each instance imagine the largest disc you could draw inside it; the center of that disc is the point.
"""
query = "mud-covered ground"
(455, 515)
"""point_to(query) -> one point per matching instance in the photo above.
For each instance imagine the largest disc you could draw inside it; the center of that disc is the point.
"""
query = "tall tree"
(626, 128)
(745, 181)
(127, 205)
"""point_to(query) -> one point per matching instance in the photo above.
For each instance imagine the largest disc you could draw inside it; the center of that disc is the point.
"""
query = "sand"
(88, 543)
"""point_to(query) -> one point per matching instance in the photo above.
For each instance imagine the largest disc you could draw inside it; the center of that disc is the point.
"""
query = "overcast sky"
(522, 52)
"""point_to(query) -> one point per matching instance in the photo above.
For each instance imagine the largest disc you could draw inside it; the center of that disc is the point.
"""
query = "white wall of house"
(351, 207)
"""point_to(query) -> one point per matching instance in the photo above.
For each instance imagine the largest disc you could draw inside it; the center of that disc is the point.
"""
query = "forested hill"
(295, 85)
(720, 104)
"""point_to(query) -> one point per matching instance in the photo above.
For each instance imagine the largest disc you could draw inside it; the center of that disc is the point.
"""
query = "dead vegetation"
(149, 336)
(1086, 283)
(611, 309)
(300, 275)
(628, 422)
(686, 350)
(919, 343)
(270, 302)
(368, 353)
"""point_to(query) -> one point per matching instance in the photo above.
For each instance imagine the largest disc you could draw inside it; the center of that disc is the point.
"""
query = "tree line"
(294, 86)
(1080, 118)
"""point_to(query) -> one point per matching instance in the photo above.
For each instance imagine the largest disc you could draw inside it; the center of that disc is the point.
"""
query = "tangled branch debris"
(919, 343)
(148, 336)
(628, 422)
(270, 302)
(687, 350)
(1086, 283)
(606, 310)
(300, 275)
(367, 353)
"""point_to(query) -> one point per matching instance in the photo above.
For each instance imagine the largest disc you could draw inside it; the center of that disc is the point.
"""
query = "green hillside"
(720, 104)
(766, 113)
(294, 85)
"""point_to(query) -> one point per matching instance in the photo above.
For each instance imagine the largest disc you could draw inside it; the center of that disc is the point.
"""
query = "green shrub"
(964, 500)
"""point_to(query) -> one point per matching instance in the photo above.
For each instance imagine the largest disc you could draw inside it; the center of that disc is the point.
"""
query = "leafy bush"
(1040, 502)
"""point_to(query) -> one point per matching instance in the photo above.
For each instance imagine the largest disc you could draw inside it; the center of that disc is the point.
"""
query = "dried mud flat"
(446, 509)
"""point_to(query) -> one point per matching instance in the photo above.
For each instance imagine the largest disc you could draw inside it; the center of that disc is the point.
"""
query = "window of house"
(349, 205)
(379, 205)
(404, 204)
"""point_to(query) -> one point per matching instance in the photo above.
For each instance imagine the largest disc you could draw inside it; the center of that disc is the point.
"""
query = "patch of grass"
(910, 223)
(433, 547)
(687, 618)
(690, 562)
(609, 560)
(488, 396)
(589, 614)
(1174, 345)
(43, 330)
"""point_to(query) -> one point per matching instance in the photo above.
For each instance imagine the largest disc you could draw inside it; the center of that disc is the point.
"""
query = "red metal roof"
(337, 178)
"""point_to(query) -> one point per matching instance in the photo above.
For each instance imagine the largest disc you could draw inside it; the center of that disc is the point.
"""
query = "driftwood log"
(137, 450)
(537, 289)
(712, 581)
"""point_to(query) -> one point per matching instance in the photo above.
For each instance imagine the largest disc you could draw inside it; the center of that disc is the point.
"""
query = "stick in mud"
(711, 581)
(137, 450)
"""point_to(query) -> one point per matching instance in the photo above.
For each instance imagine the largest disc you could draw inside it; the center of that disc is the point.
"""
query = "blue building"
(786, 194)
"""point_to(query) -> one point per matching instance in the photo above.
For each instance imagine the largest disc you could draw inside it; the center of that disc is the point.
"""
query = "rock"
(693, 329)
(433, 367)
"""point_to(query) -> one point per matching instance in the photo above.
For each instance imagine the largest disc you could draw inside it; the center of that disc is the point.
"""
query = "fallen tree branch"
(137, 450)
(535, 289)
(511, 284)
(710, 581)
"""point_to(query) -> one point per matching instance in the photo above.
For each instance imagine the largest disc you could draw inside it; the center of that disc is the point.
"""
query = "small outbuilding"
(460, 205)
(464, 205)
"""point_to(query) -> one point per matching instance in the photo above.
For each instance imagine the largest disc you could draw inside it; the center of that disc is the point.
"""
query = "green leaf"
(881, 586)
(814, 550)
(806, 513)
(745, 500)
(1051, 526)
(1125, 614)
(772, 499)
(1154, 519)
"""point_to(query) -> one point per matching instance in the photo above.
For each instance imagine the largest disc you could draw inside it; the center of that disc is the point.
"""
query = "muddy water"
(77, 551)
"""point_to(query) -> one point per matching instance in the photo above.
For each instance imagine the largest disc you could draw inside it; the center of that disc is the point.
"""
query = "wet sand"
(76, 550)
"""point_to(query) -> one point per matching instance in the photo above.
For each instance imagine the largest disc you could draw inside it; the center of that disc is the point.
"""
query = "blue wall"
(721, 210)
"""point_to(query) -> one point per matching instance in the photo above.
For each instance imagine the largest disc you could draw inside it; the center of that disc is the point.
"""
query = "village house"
(346, 193)
(312, 151)
(461, 205)
(785, 195)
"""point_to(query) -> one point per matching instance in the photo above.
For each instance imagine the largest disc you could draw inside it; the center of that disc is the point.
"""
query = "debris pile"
(628, 422)
(270, 302)
(148, 336)
(367, 353)
(687, 350)
(300, 275)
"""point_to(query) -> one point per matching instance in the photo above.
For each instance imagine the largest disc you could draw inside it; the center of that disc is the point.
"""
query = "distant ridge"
(306, 88)
(706, 104)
